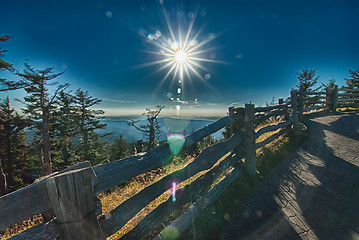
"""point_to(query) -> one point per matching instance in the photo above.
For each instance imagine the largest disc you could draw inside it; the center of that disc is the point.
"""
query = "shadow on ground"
(314, 193)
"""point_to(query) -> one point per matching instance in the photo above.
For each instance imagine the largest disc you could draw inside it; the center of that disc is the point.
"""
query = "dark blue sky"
(101, 46)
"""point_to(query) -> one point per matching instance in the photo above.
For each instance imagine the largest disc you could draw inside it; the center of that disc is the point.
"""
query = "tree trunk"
(3, 186)
(152, 133)
(9, 161)
(46, 142)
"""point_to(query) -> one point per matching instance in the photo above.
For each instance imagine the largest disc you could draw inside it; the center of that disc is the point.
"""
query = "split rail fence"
(70, 196)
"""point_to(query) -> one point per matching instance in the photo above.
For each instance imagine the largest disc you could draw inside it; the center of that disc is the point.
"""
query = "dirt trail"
(313, 193)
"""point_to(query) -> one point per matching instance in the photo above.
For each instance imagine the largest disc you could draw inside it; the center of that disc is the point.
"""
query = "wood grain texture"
(349, 90)
(128, 209)
(42, 231)
(261, 118)
(23, 204)
(348, 99)
(191, 193)
(294, 115)
(71, 195)
(269, 108)
(306, 109)
(108, 174)
(270, 139)
(182, 223)
(272, 128)
(249, 143)
(314, 93)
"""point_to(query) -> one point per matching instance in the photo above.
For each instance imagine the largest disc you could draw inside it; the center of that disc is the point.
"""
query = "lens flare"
(181, 57)
(176, 142)
(174, 185)
(183, 51)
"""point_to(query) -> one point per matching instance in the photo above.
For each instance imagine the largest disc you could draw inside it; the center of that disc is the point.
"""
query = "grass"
(211, 220)
(21, 226)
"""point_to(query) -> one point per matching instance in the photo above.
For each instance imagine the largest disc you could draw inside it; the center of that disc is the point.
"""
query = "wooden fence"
(70, 196)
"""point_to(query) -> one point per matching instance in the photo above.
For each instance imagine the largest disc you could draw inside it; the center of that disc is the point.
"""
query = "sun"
(182, 51)
(181, 57)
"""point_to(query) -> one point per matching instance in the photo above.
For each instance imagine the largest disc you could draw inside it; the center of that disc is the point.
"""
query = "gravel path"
(313, 193)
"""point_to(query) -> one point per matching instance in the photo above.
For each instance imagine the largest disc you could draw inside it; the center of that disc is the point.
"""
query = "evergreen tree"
(13, 165)
(40, 105)
(120, 149)
(151, 130)
(64, 131)
(353, 80)
(308, 79)
(87, 121)
(4, 65)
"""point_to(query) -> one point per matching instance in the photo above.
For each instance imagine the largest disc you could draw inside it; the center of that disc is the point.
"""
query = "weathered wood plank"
(313, 93)
(300, 103)
(348, 99)
(209, 129)
(71, 196)
(270, 108)
(294, 114)
(29, 201)
(128, 209)
(189, 194)
(182, 223)
(42, 231)
(306, 109)
(353, 105)
(272, 128)
(270, 138)
(314, 101)
(349, 90)
(117, 172)
(348, 94)
(249, 142)
(108, 174)
(260, 118)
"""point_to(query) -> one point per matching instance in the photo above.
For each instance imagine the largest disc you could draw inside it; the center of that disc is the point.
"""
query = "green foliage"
(4, 65)
(120, 149)
(211, 223)
(308, 79)
(64, 132)
(13, 151)
(353, 79)
(151, 129)
(86, 121)
(40, 105)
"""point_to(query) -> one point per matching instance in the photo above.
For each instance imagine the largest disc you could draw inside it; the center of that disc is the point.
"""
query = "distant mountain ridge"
(168, 125)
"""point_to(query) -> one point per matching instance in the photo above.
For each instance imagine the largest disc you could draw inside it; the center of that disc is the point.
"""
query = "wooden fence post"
(335, 99)
(300, 103)
(72, 198)
(329, 98)
(250, 147)
(294, 105)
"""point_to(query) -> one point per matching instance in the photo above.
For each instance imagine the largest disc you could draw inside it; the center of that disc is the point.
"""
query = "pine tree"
(87, 121)
(12, 148)
(120, 149)
(353, 80)
(40, 105)
(4, 65)
(151, 130)
(64, 130)
(307, 78)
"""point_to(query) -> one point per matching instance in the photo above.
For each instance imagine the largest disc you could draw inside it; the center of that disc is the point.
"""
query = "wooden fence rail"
(70, 196)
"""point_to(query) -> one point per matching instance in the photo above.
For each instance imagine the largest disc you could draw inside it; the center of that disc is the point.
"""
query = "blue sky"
(256, 48)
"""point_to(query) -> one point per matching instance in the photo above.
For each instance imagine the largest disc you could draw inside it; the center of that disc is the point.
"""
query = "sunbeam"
(183, 54)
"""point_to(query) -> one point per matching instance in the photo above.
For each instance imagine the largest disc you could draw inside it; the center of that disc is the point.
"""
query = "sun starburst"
(182, 56)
